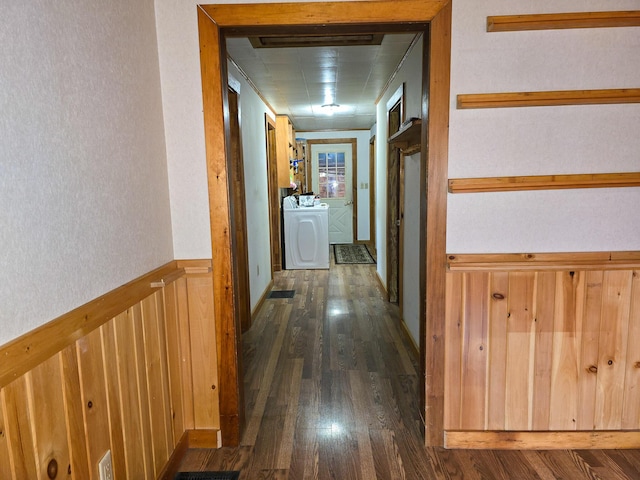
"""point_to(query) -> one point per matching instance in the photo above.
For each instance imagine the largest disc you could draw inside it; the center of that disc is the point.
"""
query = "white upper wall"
(83, 177)
(486, 142)
(254, 156)
(408, 80)
(543, 140)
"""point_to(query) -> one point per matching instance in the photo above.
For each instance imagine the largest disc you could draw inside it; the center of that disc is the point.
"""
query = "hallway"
(331, 390)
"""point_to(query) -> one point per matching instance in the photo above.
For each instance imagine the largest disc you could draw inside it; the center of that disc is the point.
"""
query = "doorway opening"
(433, 18)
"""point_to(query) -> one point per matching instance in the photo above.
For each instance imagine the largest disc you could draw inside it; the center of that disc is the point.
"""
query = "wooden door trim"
(394, 285)
(372, 194)
(435, 107)
(354, 173)
(274, 196)
(240, 208)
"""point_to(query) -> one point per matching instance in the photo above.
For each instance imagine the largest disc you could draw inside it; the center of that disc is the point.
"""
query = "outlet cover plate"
(105, 467)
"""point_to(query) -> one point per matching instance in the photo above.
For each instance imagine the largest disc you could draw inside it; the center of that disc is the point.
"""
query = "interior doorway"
(339, 185)
(433, 17)
(395, 200)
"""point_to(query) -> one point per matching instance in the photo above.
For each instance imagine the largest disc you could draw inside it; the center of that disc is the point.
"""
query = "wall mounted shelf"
(407, 139)
(553, 21)
(544, 182)
(550, 98)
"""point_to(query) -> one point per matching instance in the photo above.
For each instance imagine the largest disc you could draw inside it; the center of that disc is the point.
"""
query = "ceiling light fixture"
(330, 108)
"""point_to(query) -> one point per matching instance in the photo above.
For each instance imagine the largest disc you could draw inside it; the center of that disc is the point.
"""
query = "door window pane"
(331, 175)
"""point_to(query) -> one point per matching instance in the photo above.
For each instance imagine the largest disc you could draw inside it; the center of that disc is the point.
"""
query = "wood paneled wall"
(547, 350)
(133, 385)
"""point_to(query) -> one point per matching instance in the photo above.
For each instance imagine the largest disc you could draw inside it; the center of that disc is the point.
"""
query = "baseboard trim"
(173, 464)
(263, 298)
(189, 439)
(414, 347)
(383, 289)
(556, 440)
(204, 438)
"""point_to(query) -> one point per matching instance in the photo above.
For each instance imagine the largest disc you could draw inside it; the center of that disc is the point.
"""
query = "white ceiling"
(297, 81)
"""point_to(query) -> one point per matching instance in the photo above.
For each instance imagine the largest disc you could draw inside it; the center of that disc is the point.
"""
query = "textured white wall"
(362, 138)
(543, 140)
(83, 179)
(411, 75)
(254, 155)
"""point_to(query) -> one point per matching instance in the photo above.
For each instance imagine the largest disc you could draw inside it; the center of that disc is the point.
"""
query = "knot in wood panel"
(52, 469)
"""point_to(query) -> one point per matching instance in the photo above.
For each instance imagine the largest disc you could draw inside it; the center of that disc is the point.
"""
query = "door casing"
(433, 17)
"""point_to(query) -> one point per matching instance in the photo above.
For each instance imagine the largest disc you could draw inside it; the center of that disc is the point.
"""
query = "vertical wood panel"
(73, 411)
(566, 347)
(498, 313)
(570, 349)
(111, 389)
(18, 426)
(132, 431)
(174, 361)
(203, 352)
(453, 363)
(543, 319)
(519, 331)
(589, 351)
(5, 463)
(94, 398)
(143, 389)
(187, 357)
(631, 405)
(155, 382)
(474, 357)
(113, 399)
(47, 409)
(614, 325)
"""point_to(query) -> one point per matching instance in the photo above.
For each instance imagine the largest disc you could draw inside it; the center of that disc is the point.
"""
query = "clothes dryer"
(306, 235)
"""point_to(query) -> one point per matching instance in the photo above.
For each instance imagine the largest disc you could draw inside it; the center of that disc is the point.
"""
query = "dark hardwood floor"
(331, 393)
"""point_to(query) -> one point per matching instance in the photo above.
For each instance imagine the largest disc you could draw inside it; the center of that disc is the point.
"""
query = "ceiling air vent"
(298, 41)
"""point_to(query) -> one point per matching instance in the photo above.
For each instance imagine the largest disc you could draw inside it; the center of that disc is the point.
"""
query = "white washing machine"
(306, 235)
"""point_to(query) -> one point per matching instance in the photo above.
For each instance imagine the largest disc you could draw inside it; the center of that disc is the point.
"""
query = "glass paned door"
(332, 180)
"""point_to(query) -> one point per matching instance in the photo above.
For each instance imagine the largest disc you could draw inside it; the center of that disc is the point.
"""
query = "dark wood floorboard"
(331, 391)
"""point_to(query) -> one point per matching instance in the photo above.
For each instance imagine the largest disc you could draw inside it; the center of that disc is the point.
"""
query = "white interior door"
(331, 165)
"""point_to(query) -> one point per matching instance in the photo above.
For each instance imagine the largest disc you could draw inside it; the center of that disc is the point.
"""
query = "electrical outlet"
(105, 467)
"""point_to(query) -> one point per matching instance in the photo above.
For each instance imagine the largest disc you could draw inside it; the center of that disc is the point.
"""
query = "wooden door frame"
(274, 195)
(396, 231)
(372, 195)
(239, 203)
(354, 173)
(214, 21)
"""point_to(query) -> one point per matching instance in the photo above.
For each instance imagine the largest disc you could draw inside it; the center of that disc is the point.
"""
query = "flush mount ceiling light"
(330, 108)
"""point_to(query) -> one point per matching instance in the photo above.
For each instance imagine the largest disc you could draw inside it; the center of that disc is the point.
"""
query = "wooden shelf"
(550, 98)
(544, 182)
(407, 139)
(552, 21)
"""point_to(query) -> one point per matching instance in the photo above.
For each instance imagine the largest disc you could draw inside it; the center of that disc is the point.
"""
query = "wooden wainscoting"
(132, 384)
(534, 353)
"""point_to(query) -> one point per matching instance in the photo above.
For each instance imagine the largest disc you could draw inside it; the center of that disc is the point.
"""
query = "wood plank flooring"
(331, 393)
